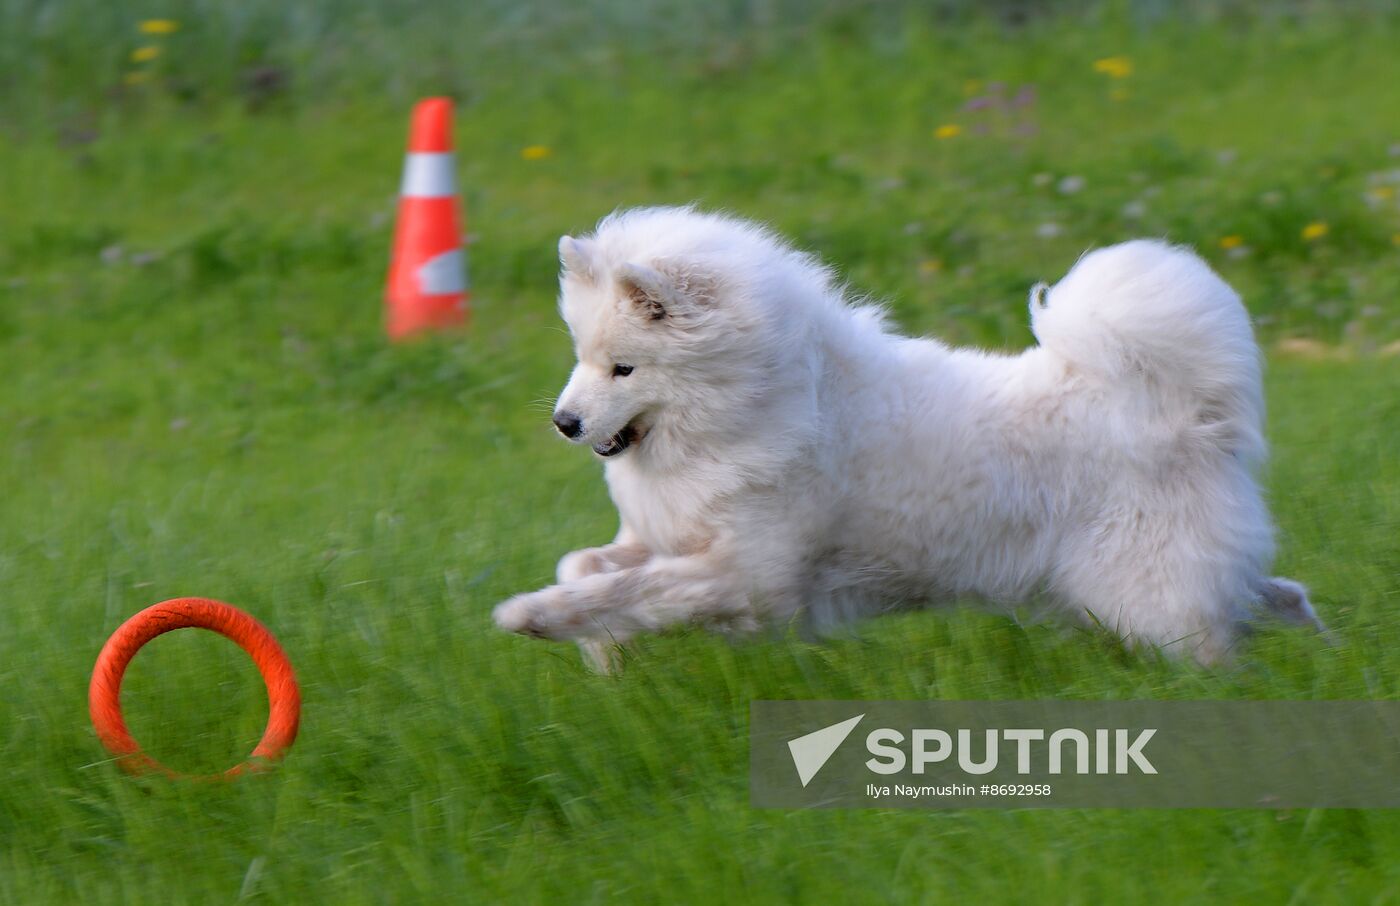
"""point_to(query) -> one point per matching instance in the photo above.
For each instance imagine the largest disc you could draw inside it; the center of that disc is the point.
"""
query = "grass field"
(197, 400)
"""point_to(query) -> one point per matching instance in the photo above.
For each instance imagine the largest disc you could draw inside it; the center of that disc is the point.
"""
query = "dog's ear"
(647, 289)
(576, 256)
(672, 289)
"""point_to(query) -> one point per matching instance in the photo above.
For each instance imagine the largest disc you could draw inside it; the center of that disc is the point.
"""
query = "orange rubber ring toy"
(104, 693)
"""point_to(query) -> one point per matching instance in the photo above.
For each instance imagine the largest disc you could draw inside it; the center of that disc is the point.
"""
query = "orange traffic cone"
(427, 287)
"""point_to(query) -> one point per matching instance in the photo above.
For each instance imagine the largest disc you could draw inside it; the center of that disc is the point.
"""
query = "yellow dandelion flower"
(535, 152)
(1314, 231)
(1231, 242)
(159, 27)
(1114, 67)
(1382, 193)
(971, 87)
(947, 130)
(930, 266)
(1118, 94)
(145, 54)
(1395, 240)
(135, 78)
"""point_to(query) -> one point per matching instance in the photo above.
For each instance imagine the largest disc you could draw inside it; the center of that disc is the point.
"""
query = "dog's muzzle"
(620, 441)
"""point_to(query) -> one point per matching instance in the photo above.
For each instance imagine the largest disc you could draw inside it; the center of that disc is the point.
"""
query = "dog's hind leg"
(1154, 585)
(1288, 601)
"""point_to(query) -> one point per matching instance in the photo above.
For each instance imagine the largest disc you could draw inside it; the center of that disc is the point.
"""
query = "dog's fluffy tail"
(1147, 313)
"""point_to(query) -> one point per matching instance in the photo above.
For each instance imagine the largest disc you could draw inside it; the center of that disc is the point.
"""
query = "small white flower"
(1041, 180)
(1071, 184)
(1135, 209)
(1049, 230)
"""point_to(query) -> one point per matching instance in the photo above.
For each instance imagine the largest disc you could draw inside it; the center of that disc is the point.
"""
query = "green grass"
(197, 399)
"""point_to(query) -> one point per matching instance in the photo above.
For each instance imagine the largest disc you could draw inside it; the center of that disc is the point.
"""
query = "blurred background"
(197, 398)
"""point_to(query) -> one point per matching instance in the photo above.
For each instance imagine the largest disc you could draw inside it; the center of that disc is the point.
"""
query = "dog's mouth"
(622, 440)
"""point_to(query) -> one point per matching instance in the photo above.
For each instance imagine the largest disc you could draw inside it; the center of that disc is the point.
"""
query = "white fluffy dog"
(774, 450)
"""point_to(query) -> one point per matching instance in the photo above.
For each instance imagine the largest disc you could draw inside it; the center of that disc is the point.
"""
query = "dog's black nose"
(568, 424)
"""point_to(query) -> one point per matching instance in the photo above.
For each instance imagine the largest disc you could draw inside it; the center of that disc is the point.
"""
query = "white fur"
(798, 458)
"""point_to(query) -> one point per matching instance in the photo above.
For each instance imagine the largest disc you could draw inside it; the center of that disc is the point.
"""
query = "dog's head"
(642, 332)
(690, 328)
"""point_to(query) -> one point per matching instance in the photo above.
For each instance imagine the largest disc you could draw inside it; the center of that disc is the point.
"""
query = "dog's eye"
(622, 370)
(1040, 295)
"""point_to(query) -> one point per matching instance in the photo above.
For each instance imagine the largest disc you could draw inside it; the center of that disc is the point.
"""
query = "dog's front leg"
(626, 552)
(663, 592)
(603, 655)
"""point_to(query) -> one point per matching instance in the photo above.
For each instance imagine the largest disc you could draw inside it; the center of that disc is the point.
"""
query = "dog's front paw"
(538, 614)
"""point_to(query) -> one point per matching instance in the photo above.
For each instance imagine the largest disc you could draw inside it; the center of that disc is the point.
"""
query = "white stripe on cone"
(429, 175)
(445, 273)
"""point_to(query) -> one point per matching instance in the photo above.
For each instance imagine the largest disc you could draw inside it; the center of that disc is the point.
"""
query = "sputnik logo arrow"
(812, 751)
